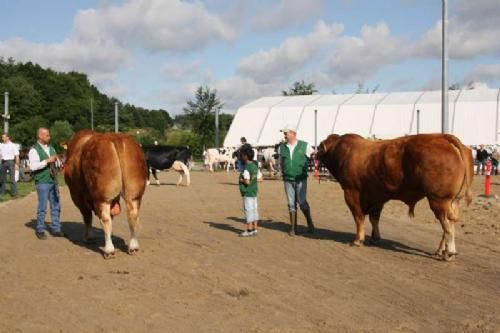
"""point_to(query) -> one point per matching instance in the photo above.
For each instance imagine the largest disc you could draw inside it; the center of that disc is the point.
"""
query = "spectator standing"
(9, 162)
(482, 159)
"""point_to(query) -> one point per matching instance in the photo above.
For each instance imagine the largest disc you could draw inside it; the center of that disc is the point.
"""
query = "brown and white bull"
(433, 166)
(101, 167)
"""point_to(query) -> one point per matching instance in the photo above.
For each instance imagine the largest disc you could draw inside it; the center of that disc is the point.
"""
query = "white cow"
(224, 156)
(269, 161)
(178, 166)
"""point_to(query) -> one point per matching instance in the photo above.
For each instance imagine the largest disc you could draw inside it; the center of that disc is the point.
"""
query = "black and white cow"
(160, 157)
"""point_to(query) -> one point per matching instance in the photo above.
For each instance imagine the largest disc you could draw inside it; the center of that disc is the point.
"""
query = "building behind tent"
(473, 116)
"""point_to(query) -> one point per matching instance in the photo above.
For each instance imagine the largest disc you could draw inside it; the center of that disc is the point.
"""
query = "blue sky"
(154, 53)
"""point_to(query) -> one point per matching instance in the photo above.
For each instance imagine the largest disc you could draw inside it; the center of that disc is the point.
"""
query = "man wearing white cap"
(294, 156)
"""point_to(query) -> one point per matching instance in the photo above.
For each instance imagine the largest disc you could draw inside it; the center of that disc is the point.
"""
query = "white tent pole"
(444, 68)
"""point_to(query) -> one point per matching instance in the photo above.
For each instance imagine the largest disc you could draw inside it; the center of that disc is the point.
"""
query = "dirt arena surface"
(194, 274)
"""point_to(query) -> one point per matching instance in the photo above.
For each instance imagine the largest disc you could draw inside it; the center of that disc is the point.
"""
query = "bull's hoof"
(110, 255)
(440, 253)
(449, 256)
(147, 183)
(133, 252)
(375, 241)
(357, 243)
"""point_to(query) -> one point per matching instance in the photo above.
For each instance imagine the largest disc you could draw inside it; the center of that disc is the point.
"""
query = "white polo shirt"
(8, 151)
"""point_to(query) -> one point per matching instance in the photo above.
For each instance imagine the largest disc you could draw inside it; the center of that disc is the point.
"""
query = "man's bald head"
(43, 135)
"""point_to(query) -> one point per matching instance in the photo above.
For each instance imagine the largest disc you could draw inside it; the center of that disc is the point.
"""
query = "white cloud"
(237, 90)
(473, 31)
(98, 58)
(285, 13)
(356, 59)
(288, 58)
(184, 71)
(484, 72)
(172, 25)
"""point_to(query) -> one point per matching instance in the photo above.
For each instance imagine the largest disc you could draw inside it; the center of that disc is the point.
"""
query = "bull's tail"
(115, 203)
(466, 156)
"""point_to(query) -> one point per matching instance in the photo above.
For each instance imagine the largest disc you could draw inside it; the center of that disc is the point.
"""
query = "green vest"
(294, 168)
(43, 176)
(250, 190)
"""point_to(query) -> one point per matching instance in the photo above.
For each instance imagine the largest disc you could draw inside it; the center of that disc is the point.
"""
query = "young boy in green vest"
(248, 190)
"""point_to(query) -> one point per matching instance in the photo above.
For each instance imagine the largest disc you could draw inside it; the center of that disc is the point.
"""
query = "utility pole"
(418, 121)
(444, 69)
(217, 128)
(116, 117)
(91, 113)
(6, 115)
(316, 130)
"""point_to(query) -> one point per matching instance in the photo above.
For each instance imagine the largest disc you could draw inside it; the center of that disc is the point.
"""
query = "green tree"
(25, 132)
(36, 91)
(200, 113)
(362, 90)
(300, 88)
(60, 131)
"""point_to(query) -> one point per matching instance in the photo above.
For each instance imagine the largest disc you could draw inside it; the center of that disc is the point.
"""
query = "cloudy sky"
(154, 53)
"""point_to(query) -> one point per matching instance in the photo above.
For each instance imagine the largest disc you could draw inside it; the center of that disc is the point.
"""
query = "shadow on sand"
(74, 231)
(323, 234)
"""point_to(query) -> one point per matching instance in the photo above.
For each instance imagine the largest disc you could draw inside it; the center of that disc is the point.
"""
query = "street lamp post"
(217, 128)
(6, 115)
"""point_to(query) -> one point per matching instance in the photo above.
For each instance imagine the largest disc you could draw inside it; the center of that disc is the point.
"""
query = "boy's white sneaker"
(246, 233)
(254, 232)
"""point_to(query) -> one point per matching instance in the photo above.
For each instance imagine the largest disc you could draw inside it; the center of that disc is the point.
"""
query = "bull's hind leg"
(87, 219)
(352, 199)
(446, 247)
(104, 213)
(374, 220)
(133, 223)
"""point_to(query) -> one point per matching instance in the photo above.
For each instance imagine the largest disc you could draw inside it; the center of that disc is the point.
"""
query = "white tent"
(473, 115)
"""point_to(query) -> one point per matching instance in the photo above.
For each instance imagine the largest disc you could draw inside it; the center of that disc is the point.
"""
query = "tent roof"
(380, 114)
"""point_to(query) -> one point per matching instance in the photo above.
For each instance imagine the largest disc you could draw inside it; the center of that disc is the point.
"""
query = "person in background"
(495, 159)
(42, 159)
(9, 162)
(482, 159)
(239, 160)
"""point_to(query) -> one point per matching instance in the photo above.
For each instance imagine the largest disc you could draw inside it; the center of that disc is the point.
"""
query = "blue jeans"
(48, 192)
(11, 166)
(296, 192)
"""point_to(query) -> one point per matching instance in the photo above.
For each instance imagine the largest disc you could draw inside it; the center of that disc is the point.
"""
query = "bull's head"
(326, 146)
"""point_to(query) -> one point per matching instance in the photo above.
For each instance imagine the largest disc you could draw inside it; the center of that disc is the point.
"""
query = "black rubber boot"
(293, 223)
(310, 224)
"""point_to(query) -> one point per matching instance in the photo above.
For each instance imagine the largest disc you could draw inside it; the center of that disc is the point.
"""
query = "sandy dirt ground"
(194, 274)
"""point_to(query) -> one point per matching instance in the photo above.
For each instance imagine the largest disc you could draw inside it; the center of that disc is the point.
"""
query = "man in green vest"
(294, 155)
(42, 159)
